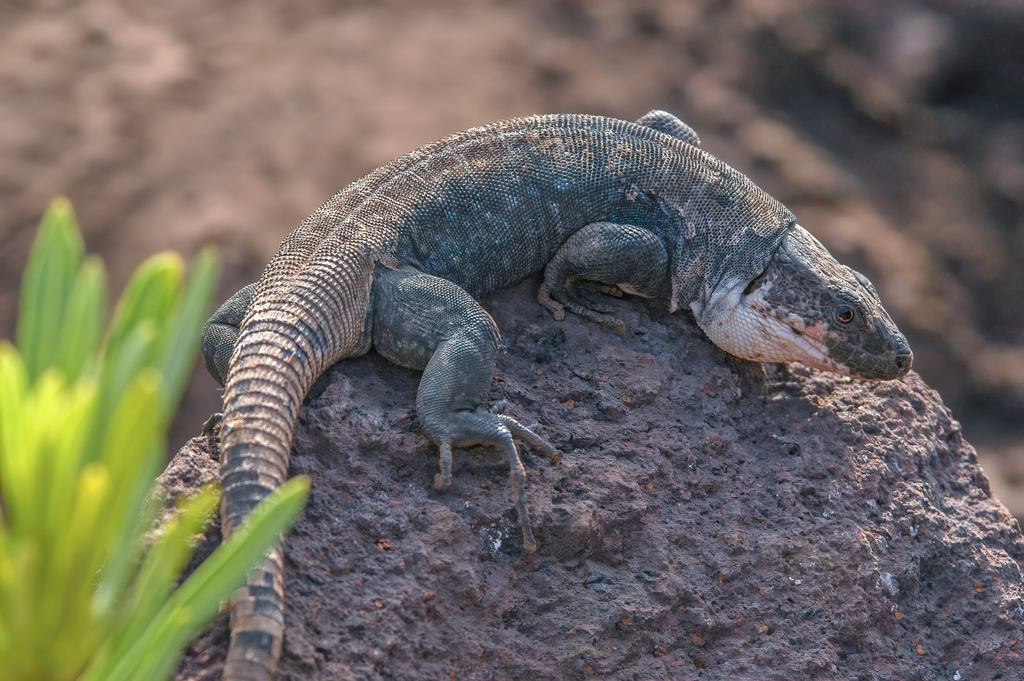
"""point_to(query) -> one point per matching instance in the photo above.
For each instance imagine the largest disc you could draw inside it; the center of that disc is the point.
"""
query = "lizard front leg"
(425, 322)
(625, 258)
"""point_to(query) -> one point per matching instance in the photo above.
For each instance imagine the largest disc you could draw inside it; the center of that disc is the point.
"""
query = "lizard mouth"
(800, 343)
(756, 331)
(815, 354)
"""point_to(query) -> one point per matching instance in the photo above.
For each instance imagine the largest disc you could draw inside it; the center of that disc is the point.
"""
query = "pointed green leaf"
(82, 326)
(13, 388)
(46, 284)
(196, 601)
(151, 295)
(163, 563)
(181, 338)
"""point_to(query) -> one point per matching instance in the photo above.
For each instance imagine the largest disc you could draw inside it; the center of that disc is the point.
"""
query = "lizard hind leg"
(221, 332)
(610, 257)
(425, 322)
(219, 335)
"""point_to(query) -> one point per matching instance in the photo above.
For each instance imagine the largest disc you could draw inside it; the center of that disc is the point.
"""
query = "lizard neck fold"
(729, 231)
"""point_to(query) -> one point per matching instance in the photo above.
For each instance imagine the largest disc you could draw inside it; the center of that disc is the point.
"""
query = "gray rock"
(717, 524)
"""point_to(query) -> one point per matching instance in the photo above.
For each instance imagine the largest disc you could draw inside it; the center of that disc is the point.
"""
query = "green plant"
(83, 422)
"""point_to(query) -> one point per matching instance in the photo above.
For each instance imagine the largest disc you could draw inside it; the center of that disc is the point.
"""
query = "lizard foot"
(489, 428)
(599, 314)
(443, 480)
(577, 302)
(556, 309)
(212, 425)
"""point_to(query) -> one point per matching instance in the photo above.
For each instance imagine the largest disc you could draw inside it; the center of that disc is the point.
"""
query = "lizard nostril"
(904, 358)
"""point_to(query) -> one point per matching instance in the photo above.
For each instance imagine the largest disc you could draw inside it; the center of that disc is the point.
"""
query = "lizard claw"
(496, 429)
(556, 309)
(574, 300)
(443, 480)
(599, 314)
(212, 425)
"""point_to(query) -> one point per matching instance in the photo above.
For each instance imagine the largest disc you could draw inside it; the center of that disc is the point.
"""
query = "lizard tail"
(257, 623)
(290, 336)
(261, 404)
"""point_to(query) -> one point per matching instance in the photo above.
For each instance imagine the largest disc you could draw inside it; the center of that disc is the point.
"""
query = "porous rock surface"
(710, 521)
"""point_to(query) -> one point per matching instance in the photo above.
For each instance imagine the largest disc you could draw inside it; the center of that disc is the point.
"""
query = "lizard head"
(806, 307)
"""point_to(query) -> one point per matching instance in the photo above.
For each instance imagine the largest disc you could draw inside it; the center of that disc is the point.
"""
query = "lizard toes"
(212, 425)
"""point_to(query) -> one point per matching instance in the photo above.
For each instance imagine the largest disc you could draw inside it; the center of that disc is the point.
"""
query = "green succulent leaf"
(89, 580)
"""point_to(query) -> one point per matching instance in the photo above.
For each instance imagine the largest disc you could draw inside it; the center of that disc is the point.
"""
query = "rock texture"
(710, 521)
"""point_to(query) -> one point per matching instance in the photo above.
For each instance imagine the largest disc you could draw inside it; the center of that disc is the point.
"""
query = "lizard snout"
(904, 358)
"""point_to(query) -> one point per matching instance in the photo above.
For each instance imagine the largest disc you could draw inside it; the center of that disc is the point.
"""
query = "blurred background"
(895, 131)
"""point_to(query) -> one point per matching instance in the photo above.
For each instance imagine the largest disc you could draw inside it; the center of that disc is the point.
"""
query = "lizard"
(397, 260)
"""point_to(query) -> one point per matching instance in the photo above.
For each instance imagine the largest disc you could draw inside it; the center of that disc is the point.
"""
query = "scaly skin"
(396, 259)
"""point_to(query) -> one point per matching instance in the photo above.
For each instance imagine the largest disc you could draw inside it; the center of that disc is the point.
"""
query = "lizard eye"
(844, 314)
